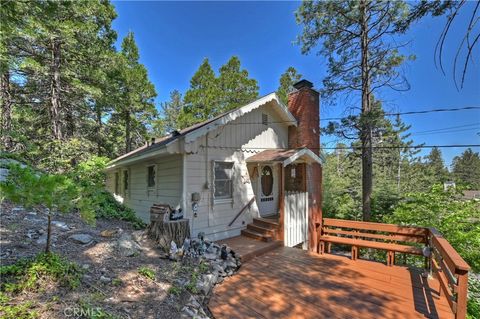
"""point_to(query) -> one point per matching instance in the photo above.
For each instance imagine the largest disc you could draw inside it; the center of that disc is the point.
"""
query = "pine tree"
(360, 59)
(171, 111)
(235, 87)
(436, 170)
(287, 79)
(466, 169)
(202, 98)
(136, 108)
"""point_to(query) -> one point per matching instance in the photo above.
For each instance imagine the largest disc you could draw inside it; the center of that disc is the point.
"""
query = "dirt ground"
(110, 281)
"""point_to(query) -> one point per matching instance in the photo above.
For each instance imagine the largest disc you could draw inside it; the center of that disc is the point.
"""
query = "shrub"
(147, 272)
(16, 311)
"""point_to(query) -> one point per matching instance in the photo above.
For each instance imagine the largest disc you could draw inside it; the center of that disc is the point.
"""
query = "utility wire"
(385, 114)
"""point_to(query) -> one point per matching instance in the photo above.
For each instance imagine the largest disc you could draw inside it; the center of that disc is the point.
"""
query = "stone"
(223, 253)
(206, 283)
(127, 247)
(33, 218)
(108, 233)
(61, 225)
(18, 209)
(42, 240)
(210, 256)
(105, 279)
(86, 266)
(4, 174)
(81, 238)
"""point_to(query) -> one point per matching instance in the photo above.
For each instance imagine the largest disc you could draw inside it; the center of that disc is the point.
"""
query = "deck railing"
(441, 258)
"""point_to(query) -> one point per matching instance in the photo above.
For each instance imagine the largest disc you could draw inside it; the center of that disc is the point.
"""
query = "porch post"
(281, 203)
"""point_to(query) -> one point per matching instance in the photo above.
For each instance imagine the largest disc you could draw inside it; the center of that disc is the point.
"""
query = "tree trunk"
(49, 232)
(6, 121)
(127, 132)
(55, 104)
(99, 132)
(366, 131)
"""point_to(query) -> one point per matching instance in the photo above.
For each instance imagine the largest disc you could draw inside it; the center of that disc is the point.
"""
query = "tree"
(136, 106)
(361, 59)
(287, 80)
(171, 111)
(235, 87)
(470, 39)
(201, 98)
(466, 169)
(435, 166)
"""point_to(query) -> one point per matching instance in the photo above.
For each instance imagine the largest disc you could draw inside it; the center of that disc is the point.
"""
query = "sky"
(174, 37)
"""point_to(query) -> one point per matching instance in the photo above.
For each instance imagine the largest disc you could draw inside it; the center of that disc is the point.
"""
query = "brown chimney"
(304, 104)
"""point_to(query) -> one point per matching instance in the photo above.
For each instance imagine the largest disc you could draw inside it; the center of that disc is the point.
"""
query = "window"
(117, 183)
(125, 181)
(151, 176)
(264, 119)
(223, 176)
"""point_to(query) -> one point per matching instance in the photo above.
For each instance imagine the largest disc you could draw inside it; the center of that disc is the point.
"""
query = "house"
(241, 172)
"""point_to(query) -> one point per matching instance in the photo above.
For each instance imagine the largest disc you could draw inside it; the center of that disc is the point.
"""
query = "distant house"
(230, 173)
(471, 195)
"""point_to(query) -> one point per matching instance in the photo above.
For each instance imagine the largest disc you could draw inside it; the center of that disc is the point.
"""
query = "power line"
(385, 114)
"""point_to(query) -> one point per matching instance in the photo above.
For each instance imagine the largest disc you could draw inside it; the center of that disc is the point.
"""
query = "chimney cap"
(303, 84)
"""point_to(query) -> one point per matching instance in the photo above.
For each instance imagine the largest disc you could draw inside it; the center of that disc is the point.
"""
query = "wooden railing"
(242, 210)
(451, 271)
(440, 257)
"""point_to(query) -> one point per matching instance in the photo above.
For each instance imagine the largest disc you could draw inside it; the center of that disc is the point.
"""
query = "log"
(163, 232)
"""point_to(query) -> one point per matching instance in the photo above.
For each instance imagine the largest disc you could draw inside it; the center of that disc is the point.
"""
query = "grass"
(19, 311)
(28, 274)
(147, 272)
(175, 290)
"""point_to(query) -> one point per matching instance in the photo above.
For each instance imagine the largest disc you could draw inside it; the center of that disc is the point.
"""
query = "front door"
(268, 190)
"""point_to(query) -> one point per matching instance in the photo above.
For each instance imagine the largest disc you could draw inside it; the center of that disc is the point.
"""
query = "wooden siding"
(223, 145)
(167, 190)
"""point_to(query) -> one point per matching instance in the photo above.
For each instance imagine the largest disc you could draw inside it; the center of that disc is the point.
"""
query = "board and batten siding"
(224, 144)
(167, 190)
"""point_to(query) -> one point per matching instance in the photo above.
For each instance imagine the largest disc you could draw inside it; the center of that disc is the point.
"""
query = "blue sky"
(174, 38)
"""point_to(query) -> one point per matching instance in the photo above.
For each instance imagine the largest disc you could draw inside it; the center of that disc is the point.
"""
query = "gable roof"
(192, 132)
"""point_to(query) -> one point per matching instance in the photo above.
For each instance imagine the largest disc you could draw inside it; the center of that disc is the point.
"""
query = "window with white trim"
(125, 182)
(223, 180)
(117, 183)
(151, 176)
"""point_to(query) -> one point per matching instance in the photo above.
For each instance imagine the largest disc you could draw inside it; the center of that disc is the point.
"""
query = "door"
(268, 190)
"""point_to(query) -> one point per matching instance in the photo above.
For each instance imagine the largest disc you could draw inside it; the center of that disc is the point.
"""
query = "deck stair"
(264, 229)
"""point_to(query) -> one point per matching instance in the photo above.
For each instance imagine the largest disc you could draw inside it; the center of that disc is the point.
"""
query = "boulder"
(127, 247)
(60, 225)
(81, 238)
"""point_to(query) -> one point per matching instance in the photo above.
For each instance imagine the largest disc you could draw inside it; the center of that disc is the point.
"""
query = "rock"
(105, 279)
(108, 233)
(81, 238)
(231, 264)
(33, 218)
(86, 266)
(206, 283)
(18, 209)
(4, 174)
(42, 240)
(210, 256)
(61, 225)
(127, 247)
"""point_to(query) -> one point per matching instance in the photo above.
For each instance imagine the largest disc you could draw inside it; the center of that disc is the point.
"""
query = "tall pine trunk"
(55, 85)
(128, 145)
(99, 128)
(6, 101)
(366, 130)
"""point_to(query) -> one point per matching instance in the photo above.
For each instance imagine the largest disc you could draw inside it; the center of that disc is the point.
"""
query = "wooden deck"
(291, 283)
(248, 248)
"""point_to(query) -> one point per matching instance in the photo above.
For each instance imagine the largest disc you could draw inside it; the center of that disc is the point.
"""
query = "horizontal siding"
(168, 188)
(213, 218)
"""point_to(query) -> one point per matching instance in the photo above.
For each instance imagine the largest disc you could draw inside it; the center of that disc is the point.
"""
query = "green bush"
(110, 208)
(147, 272)
(27, 274)
(473, 305)
(16, 311)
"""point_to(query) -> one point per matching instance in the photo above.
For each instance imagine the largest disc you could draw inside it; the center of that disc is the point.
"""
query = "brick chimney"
(304, 104)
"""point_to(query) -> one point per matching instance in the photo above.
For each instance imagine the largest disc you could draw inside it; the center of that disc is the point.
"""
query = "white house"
(233, 169)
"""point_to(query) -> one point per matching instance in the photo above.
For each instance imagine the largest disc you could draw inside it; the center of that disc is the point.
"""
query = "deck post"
(281, 204)
(462, 294)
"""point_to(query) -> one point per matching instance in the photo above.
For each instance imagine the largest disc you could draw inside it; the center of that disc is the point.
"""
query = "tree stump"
(163, 232)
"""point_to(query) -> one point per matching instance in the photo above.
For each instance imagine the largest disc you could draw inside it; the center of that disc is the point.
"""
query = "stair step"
(261, 230)
(266, 223)
(256, 235)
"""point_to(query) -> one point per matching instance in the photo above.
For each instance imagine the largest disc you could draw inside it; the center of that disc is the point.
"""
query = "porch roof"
(286, 156)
